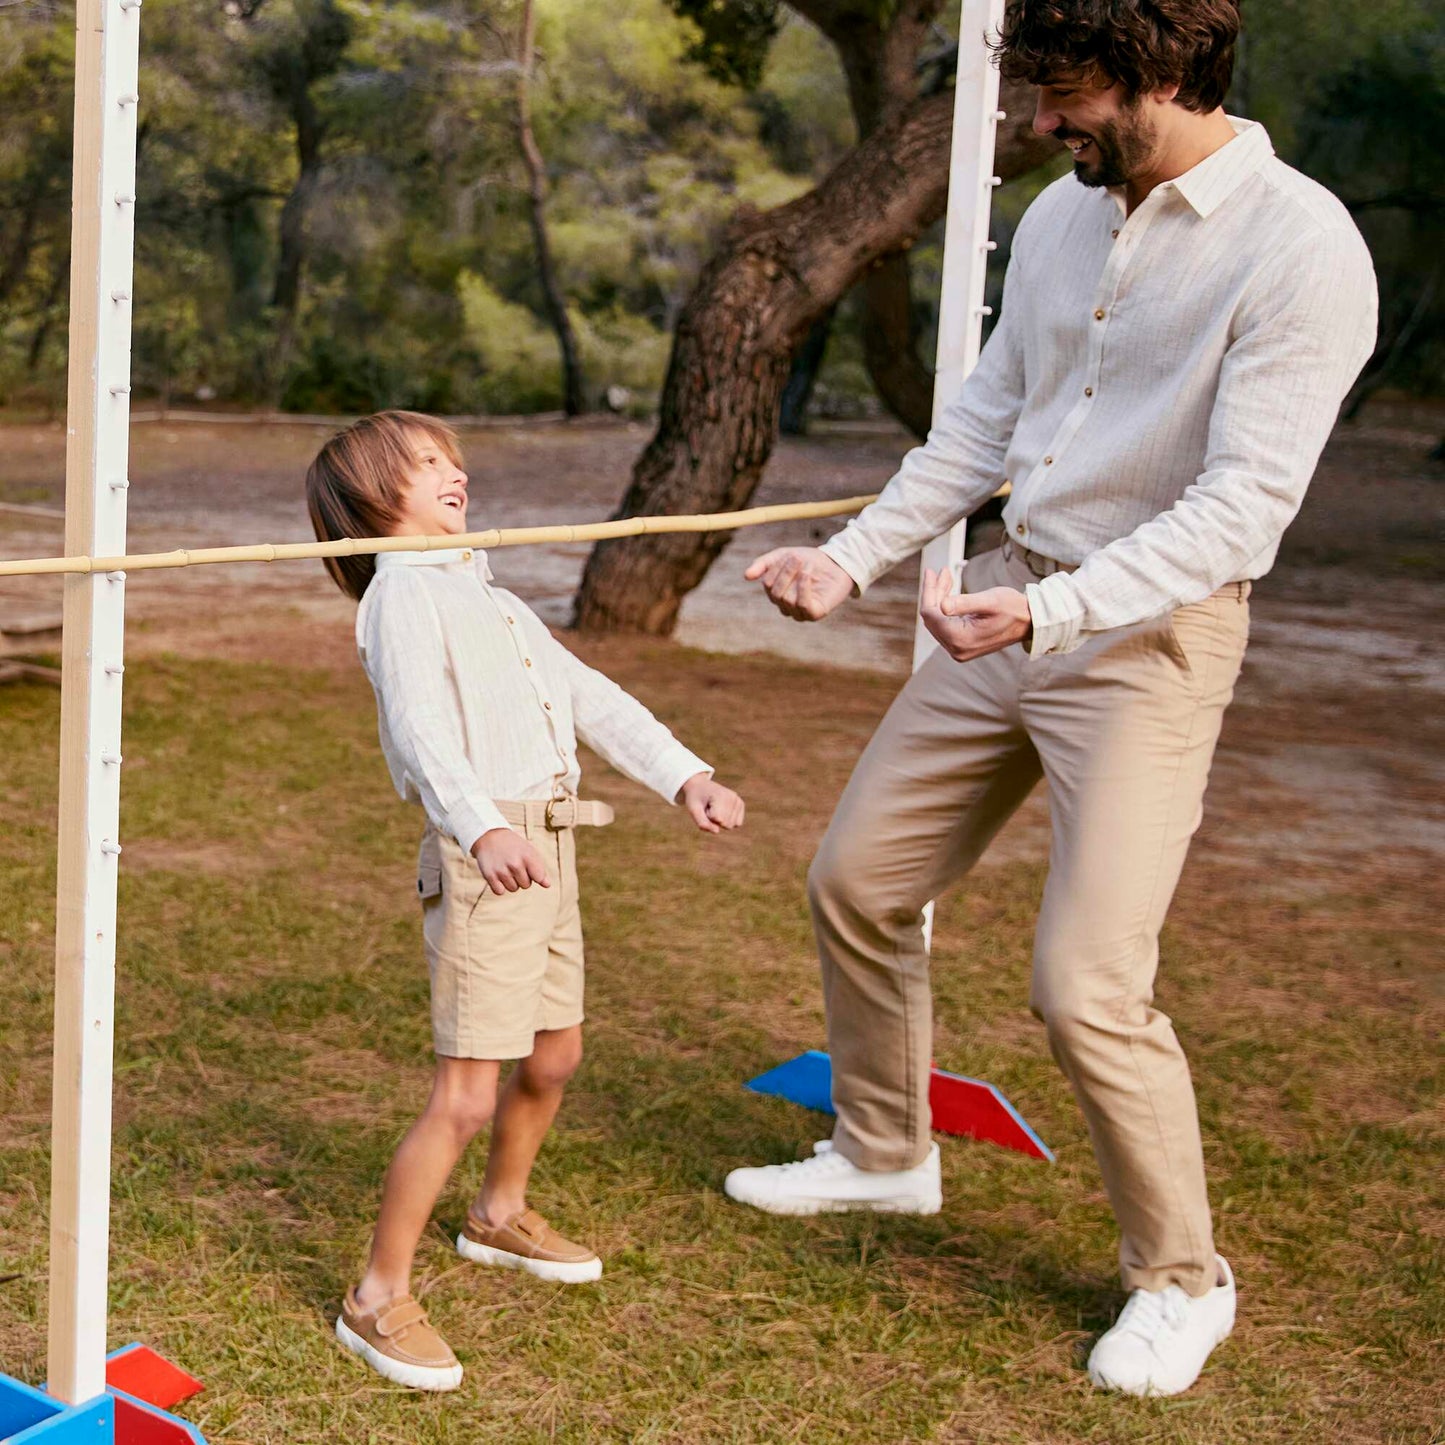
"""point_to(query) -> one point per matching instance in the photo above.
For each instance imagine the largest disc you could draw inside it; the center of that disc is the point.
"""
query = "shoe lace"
(826, 1163)
(1148, 1312)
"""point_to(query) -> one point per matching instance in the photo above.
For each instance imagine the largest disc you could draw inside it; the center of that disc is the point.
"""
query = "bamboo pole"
(107, 40)
(496, 537)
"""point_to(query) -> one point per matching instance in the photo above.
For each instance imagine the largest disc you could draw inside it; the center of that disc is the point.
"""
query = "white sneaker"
(1163, 1337)
(828, 1184)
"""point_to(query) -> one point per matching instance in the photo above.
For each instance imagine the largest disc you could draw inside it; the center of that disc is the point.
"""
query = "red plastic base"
(139, 1371)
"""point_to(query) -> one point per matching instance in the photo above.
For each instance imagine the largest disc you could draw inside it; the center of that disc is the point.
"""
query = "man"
(1176, 335)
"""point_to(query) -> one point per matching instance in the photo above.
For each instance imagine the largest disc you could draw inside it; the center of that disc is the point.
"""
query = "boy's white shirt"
(478, 702)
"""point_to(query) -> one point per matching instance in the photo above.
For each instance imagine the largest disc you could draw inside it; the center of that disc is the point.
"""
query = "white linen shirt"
(477, 701)
(1157, 391)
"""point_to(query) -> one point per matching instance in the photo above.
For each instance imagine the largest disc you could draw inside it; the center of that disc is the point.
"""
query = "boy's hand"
(509, 862)
(712, 806)
(803, 583)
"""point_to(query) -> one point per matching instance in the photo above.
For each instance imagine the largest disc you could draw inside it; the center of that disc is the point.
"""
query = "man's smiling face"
(1110, 135)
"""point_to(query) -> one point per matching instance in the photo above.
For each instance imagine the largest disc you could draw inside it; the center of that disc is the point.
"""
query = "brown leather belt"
(557, 814)
(1036, 562)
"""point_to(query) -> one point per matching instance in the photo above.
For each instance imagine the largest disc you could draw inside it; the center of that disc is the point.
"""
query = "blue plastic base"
(30, 1417)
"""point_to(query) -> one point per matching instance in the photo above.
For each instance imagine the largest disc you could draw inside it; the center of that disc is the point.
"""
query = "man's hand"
(509, 862)
(804, 583)
(712, 806)
(975, 623)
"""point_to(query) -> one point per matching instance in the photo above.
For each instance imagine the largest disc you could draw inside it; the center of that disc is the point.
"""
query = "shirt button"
(1099, 314)
(1048, 461)
(548, 706)
(1088, 391)
(526, 662)
(511, 622)
(1114, 234)
(1020, 529)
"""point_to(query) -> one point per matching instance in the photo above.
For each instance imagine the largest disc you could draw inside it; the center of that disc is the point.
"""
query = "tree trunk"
(573, 398)
(890, 345)
(803, 377)
(774, 275)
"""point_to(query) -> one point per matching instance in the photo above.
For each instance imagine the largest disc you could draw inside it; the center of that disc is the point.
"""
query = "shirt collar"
(1209, 184)
(440, 557)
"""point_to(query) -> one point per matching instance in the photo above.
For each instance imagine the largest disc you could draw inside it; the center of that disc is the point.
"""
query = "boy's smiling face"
(434, 492)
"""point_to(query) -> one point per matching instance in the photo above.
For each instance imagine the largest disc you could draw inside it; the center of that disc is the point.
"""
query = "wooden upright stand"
(97, 447)
(966, 247)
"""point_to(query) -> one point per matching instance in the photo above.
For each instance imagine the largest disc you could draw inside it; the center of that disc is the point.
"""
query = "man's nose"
(1046, 121)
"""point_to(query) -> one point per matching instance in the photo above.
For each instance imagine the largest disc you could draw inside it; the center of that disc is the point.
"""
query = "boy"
(479, 710)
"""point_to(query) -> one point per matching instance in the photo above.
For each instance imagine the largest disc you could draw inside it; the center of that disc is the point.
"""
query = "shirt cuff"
(675, 768)
(1057, 613)
(469, 821)
(844, 549)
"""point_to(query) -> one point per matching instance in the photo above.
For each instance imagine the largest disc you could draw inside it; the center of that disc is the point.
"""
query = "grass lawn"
(272, 1045)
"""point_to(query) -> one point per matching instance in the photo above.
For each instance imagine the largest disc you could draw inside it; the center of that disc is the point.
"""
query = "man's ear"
(1164, 95)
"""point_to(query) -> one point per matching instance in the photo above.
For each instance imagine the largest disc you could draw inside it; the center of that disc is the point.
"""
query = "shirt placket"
(1126, 237)
(540, 690)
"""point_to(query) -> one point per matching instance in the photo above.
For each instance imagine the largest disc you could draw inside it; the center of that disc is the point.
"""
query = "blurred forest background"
(340, 200)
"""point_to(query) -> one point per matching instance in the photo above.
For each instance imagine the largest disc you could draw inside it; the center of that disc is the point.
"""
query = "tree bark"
(772, 278)
(573, 397)
(903, 381)
(882, 75)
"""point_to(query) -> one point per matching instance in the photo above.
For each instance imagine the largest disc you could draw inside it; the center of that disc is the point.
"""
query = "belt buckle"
(556, 824)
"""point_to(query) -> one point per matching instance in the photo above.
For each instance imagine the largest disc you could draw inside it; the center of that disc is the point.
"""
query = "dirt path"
(1332, 751)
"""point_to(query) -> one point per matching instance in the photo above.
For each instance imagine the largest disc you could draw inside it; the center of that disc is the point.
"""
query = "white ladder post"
(107, 34)
(966, 247)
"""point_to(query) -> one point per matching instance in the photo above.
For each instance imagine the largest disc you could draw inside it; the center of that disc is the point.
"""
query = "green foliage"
(415, 217)
(733, 37)
(389, 132)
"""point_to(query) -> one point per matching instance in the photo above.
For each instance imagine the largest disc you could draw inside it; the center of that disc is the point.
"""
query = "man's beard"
(1122, 147)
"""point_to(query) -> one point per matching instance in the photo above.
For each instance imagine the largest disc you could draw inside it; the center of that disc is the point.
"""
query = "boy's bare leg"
(463, 1099)
(525, 1112)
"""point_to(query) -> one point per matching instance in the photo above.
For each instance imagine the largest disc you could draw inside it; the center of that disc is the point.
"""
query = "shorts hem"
(499, 1052)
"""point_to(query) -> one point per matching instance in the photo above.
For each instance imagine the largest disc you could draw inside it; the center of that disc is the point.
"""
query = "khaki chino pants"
(1124, 730)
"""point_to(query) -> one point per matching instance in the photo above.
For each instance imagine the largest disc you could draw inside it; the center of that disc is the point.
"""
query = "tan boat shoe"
(398, 1342)
(526, 1241)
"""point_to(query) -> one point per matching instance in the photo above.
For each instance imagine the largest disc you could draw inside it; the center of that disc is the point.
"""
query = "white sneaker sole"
(583, 1272)
(895, 1204)
(416, 1377)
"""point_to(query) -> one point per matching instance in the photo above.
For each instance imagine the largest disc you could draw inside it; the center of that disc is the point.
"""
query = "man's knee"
(846, 886)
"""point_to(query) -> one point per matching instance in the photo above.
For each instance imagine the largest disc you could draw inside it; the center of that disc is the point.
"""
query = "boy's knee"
(552, 1065)
(468, 1109)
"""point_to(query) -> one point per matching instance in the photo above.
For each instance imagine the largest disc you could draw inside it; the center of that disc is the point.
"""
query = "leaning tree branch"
(773, 276)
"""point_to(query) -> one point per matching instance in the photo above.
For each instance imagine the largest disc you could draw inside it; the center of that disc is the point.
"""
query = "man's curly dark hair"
(1140, 44)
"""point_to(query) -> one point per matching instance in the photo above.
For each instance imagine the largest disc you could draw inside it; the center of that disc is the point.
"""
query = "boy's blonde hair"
(354, 487)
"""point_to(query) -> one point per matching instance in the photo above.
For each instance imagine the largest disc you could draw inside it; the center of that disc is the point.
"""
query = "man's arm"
(1302, 337)
(950, 476)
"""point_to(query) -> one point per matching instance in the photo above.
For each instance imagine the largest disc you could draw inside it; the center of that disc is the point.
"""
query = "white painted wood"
(97, 443)
(966, 246)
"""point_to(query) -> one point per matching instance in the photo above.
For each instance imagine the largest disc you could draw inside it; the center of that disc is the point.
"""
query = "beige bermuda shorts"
(503, 966)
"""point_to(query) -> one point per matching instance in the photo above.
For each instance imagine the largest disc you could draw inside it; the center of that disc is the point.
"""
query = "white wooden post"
(107, 34)
(966, 245)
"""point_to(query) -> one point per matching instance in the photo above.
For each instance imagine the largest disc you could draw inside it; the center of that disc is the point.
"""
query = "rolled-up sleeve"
(405, 658)
(1300, 339)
